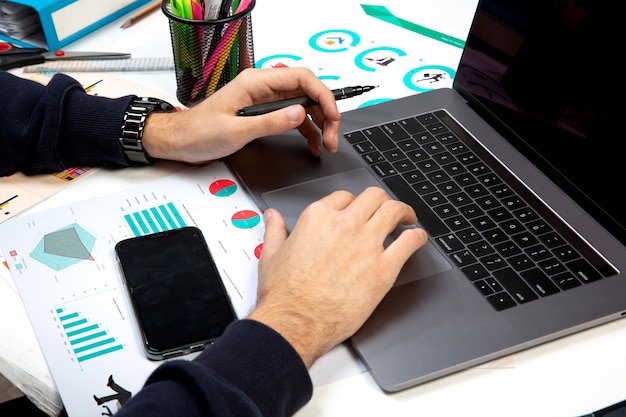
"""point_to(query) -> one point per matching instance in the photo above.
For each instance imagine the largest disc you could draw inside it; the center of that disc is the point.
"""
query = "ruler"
(104, 65)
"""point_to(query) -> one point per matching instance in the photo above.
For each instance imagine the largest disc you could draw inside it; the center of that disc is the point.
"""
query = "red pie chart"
(246, 219)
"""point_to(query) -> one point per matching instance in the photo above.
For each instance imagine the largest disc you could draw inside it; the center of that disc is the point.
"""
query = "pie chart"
(246, 219)
(223, 188)
(257, 251)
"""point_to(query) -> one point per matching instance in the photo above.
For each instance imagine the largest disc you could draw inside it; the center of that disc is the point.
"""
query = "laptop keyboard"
(506, 241)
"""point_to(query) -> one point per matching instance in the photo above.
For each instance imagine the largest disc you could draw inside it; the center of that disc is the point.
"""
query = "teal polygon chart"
(64, 247)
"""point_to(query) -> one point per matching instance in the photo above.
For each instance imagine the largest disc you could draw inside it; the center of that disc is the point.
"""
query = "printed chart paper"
(403, 47)
(64, 267)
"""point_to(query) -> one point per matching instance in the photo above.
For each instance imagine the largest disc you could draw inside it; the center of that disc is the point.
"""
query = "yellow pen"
(91, 87)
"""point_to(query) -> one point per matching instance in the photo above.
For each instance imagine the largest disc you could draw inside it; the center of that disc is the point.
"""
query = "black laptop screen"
(550, 70)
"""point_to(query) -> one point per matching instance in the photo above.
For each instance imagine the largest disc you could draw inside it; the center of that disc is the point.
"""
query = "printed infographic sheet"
(403, 47)
(63, 264)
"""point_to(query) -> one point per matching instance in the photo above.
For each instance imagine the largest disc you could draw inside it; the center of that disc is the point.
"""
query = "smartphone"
(178, 297)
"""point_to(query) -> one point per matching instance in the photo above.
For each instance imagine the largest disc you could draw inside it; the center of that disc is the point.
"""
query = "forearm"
(51, 128)
(251, 370)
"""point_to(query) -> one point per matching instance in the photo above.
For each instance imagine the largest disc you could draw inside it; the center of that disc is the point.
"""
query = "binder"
(52, 24)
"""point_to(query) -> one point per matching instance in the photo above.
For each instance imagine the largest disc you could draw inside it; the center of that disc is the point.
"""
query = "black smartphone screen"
(178, 297)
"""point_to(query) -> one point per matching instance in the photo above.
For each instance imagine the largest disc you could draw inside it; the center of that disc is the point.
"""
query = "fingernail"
(293, 113)
(266, 215)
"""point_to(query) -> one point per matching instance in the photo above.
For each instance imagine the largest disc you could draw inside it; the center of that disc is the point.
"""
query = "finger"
(312, 135)
(390, 214)
(273, 123)
(401, 249)
(327, 108)
(330, 136)
(329, 125)
(317, 115)
(368, 202)
(274, 237)
(275, 234)
(338, 200)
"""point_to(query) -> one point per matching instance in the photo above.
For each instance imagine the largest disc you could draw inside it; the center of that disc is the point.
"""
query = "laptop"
(516, 175)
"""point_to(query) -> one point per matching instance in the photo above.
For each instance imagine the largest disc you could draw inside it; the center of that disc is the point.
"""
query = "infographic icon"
(65, 247)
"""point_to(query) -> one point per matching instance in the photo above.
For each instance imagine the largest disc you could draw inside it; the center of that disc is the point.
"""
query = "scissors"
(12, 56)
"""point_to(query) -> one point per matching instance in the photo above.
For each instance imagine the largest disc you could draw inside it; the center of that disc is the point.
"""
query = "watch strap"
(133, 125)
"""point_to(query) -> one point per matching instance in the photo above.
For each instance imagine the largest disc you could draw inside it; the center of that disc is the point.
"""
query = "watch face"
(133, 125)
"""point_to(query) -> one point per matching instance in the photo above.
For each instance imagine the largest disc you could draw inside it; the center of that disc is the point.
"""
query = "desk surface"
(568, 377)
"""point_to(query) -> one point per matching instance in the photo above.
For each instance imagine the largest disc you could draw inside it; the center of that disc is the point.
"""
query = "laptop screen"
(550, 71)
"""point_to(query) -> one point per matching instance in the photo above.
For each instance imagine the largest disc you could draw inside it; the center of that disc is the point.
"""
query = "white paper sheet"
(63, 264)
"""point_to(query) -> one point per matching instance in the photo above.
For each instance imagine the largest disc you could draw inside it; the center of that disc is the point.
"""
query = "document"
(63, 264)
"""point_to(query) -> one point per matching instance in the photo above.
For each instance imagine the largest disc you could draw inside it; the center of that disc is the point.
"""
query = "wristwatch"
(134, 123)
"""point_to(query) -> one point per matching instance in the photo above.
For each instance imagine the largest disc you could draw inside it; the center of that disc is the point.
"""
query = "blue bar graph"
(156, 219)
(88, 340)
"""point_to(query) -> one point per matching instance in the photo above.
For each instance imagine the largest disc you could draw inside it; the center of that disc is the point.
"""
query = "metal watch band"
(133, 126)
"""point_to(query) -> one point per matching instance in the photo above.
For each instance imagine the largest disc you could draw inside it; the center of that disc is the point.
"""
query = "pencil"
(89, 88)
(141, 15)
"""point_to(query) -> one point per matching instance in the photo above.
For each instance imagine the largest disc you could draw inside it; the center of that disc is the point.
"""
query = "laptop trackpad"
(292, 200)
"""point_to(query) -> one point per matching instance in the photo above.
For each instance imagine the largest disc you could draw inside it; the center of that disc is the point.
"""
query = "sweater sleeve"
(50, 128)
(249, 371)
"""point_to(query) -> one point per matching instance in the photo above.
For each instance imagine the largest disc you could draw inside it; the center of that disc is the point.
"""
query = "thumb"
(275, 233)
(282, 120)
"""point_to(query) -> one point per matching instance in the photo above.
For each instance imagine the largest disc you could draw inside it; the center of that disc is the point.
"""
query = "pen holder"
(209, 53)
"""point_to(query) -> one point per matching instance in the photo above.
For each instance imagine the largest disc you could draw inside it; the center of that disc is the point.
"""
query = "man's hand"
(212, 129)
(319, 285)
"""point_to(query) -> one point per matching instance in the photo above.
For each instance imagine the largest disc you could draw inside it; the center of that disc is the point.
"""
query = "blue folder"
(63, 21)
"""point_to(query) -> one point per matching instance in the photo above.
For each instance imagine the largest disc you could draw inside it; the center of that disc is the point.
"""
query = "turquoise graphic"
(65, 247)
(382, 13)
(88, 340)
(424, 79)
(360, 60)
(246, 219)
(333, 41)
(375, 101)
(223, 188)
(261, 62)
(154, 220)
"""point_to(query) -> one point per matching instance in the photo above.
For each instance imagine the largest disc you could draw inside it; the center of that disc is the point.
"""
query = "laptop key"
(373, 157)
(566, 280)
(566, 253)
(501, 301)
(379, 139)
(483, 287)
(515, 285)
(475, 271)
(584, 271)
(476, 213)
(494, 284)
(395, 132)
(411, 125)
(425, 215)
(450, 243)
(384, 169)
(539, 282)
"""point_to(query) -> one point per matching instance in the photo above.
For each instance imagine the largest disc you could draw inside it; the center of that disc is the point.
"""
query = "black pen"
(305, 101)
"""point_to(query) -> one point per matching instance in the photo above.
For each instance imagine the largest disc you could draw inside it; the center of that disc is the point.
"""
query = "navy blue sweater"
(251, 370)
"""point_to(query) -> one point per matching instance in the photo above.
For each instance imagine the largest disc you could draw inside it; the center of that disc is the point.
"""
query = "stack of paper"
(18, 21)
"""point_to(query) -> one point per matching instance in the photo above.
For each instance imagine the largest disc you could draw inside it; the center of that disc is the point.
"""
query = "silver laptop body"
(464, 299)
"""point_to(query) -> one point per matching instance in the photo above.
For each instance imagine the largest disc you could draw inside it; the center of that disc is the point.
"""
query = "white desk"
(568, 377)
